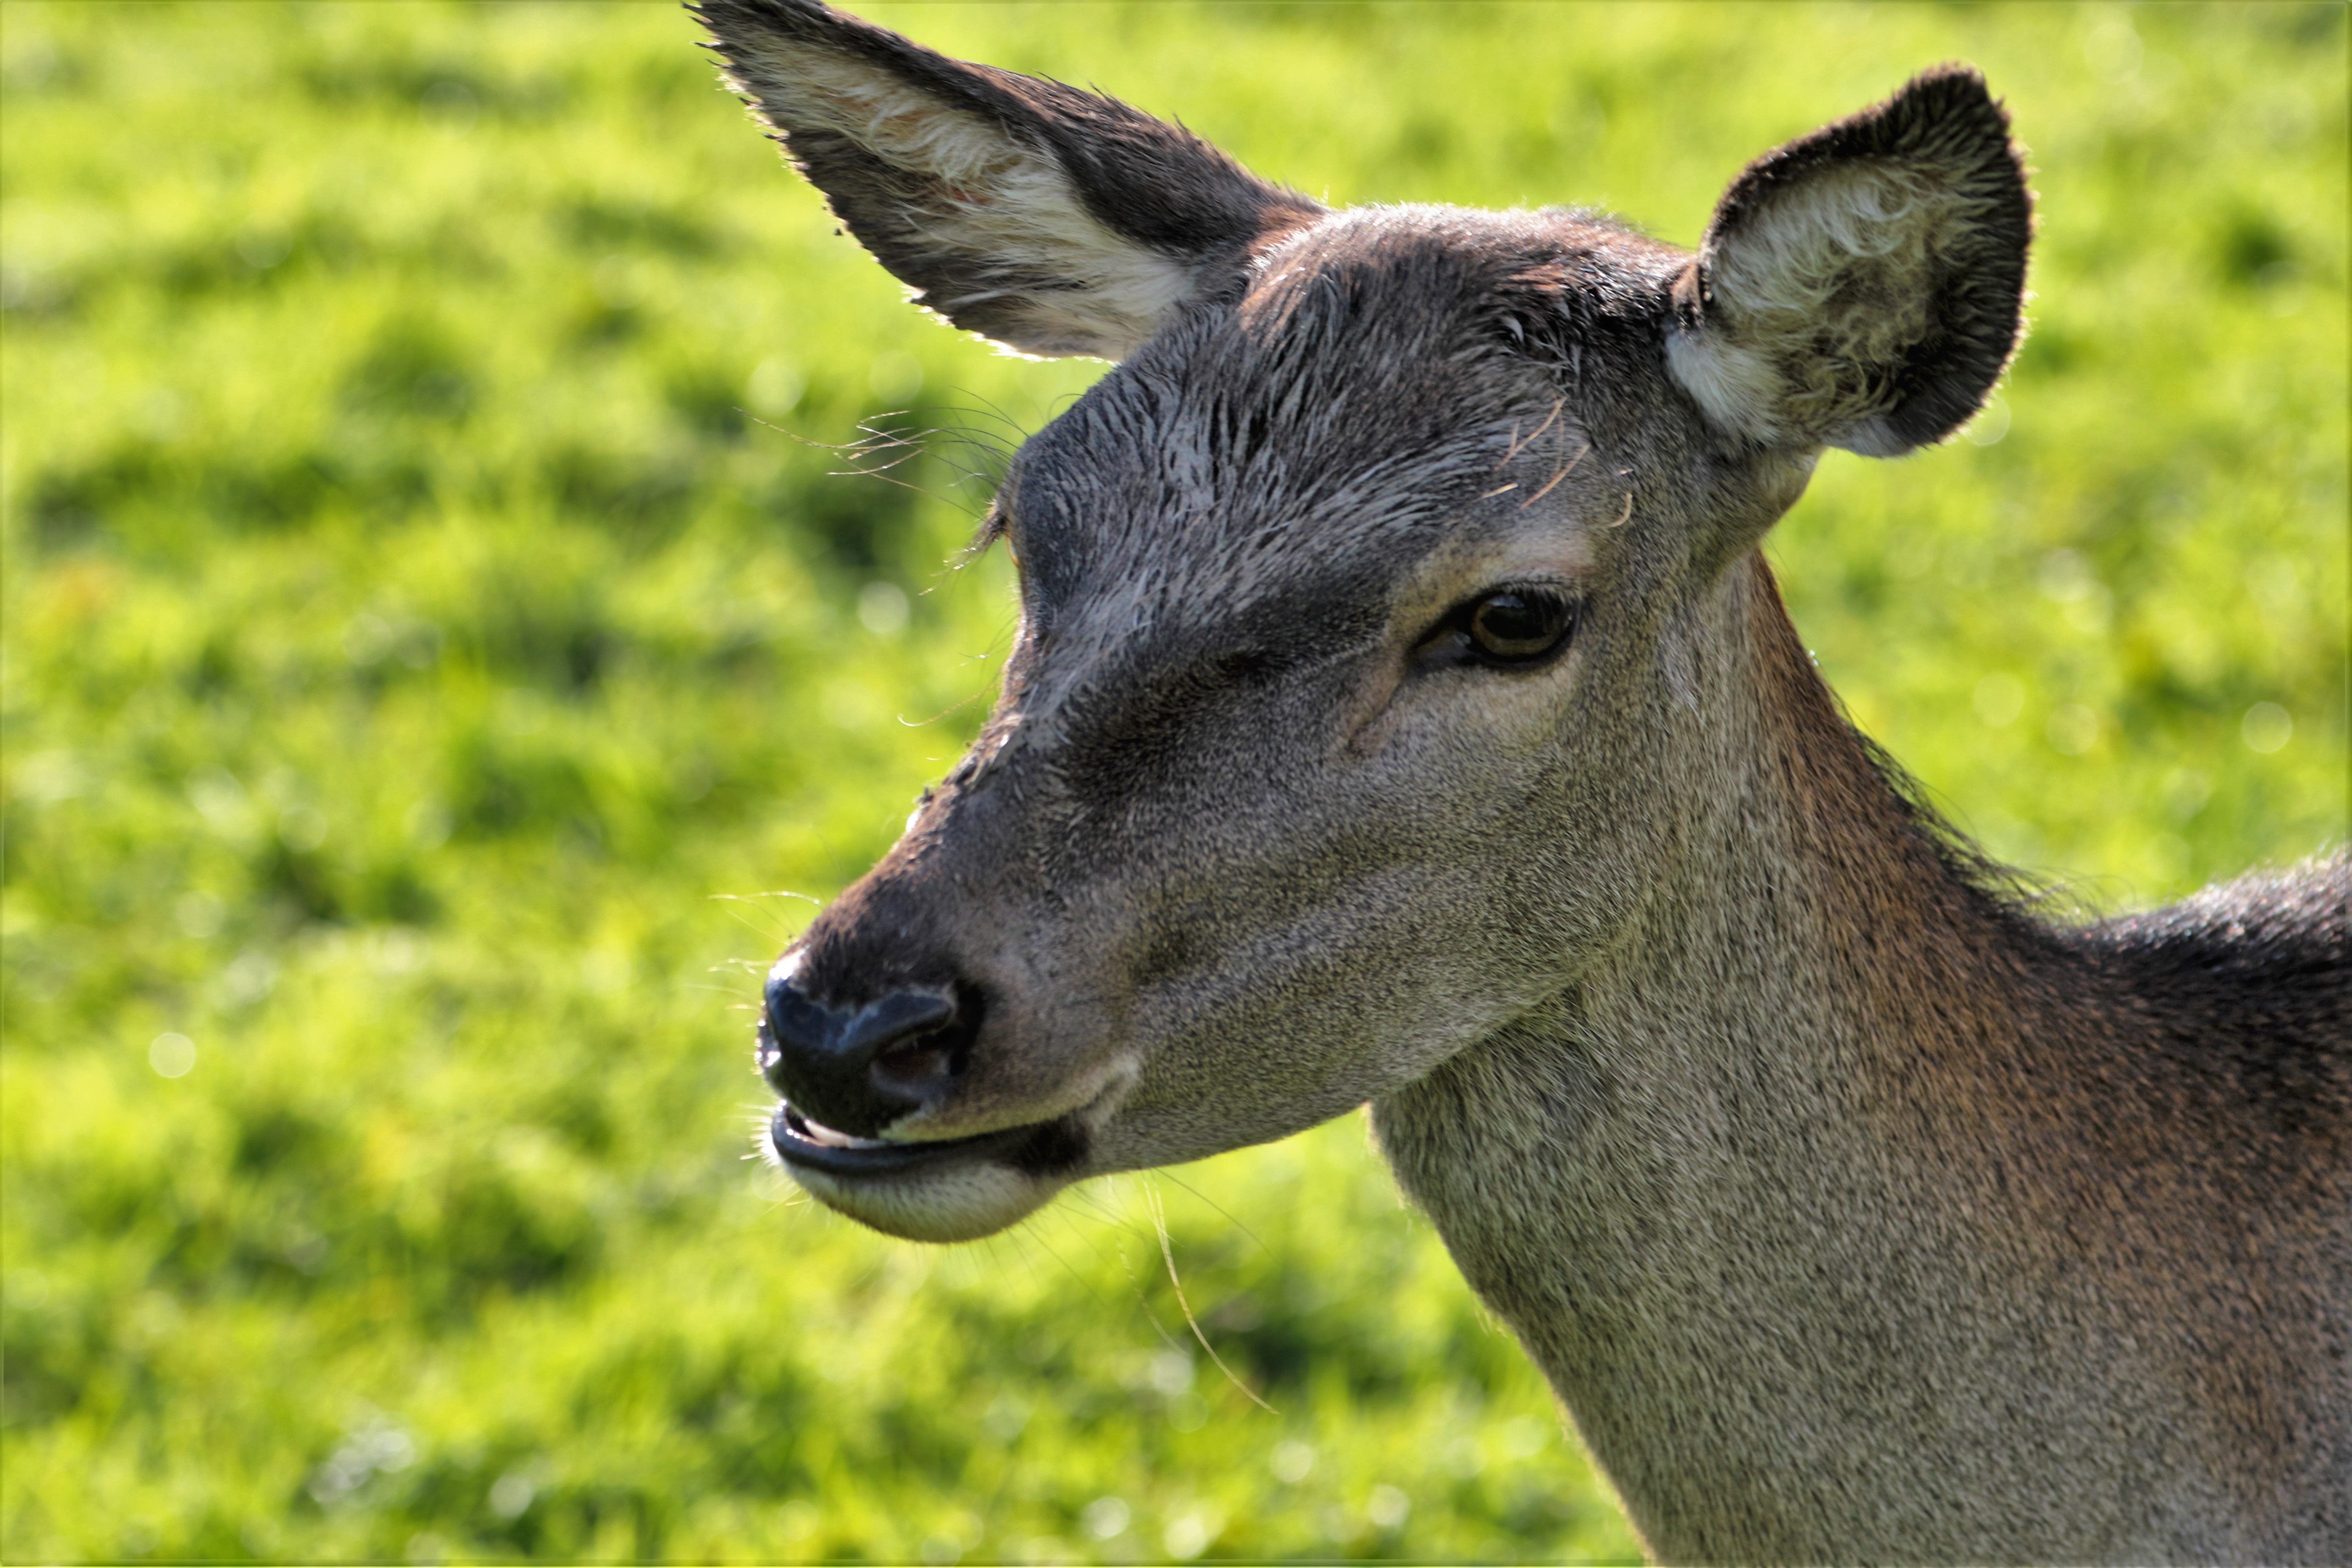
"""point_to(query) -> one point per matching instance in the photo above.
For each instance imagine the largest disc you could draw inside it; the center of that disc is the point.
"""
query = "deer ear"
(1861, 286)
(1050, 220)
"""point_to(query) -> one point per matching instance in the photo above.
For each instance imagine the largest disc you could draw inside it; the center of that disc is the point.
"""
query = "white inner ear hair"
(1008, 213)
(1814, 297)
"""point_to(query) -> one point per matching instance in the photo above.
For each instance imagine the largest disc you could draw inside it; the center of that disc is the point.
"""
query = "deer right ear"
(1862, 287)
(1053, 221)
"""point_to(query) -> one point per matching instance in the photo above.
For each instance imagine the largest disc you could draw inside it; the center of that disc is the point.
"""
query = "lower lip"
(881, 1159)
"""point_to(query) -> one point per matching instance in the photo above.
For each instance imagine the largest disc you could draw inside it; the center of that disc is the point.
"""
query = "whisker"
(1556, 478)
(1160, 1223)
(1220, 1208)
(1033, 1230)
(1557, 405)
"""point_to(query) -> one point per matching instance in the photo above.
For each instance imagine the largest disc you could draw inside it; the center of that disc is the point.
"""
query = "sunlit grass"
(440, 674)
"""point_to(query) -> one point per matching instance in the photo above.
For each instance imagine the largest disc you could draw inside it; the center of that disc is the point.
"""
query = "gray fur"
(1855, 1211)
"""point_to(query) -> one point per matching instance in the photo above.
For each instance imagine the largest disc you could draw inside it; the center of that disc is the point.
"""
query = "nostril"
(893, 1021)
(914, 1072)
(926, 1063)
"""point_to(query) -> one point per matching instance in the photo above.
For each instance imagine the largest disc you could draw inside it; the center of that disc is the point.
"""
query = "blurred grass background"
(432, 639)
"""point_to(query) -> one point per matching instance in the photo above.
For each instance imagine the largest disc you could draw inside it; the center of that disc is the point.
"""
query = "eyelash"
(996, 524)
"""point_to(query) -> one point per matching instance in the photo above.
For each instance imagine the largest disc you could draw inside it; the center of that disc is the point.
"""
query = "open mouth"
(1037, 1148)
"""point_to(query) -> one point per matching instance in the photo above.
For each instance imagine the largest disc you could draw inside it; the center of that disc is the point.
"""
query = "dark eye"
(1518, 627)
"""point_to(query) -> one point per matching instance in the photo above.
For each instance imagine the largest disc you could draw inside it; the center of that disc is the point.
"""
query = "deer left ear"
(1861, 286)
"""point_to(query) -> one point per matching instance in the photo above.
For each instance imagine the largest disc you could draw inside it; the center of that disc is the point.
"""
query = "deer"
(1401, 711)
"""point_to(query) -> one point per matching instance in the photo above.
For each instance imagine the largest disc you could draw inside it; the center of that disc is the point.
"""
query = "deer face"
(1317, 587)
(1362, 606)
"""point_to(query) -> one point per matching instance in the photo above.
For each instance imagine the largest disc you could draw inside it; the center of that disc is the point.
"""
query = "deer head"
(1376, 610)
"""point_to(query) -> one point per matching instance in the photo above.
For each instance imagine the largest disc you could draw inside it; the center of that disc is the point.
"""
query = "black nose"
(857, 1068)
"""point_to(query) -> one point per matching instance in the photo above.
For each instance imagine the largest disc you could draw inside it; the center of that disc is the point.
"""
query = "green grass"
(431, 634)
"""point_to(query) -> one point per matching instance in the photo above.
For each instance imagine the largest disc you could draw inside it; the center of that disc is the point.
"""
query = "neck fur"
(1787, 1195)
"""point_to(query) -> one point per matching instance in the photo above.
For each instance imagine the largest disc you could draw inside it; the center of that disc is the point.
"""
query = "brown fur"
(1857, 1209)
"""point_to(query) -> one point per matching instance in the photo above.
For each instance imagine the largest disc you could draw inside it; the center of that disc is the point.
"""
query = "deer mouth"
(952, 1188)
(1039, 1148)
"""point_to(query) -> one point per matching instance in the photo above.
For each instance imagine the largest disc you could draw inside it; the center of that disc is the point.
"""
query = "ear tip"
(1941, 101)
(1945, 114)
(1954, 94)
(1954, 75)
(799, 18)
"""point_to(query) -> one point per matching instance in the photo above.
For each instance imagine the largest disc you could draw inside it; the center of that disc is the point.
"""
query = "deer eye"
(1519, 627)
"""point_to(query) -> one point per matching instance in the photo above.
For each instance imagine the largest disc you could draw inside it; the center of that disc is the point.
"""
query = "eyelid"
(1460, 610)
(1456, 618)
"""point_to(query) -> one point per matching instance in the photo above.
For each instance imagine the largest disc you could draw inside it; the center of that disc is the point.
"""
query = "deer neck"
(1753, 1191)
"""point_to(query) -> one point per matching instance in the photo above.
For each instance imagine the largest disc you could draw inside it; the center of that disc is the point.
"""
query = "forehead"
(1368, 380)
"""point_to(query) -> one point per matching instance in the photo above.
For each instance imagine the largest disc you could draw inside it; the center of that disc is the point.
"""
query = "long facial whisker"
(1160, 1224)
(1220, 1208)
(1517, 442)
(1556, 478)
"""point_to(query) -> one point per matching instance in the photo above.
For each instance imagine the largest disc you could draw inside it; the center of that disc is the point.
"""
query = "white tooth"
(819, 1132)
